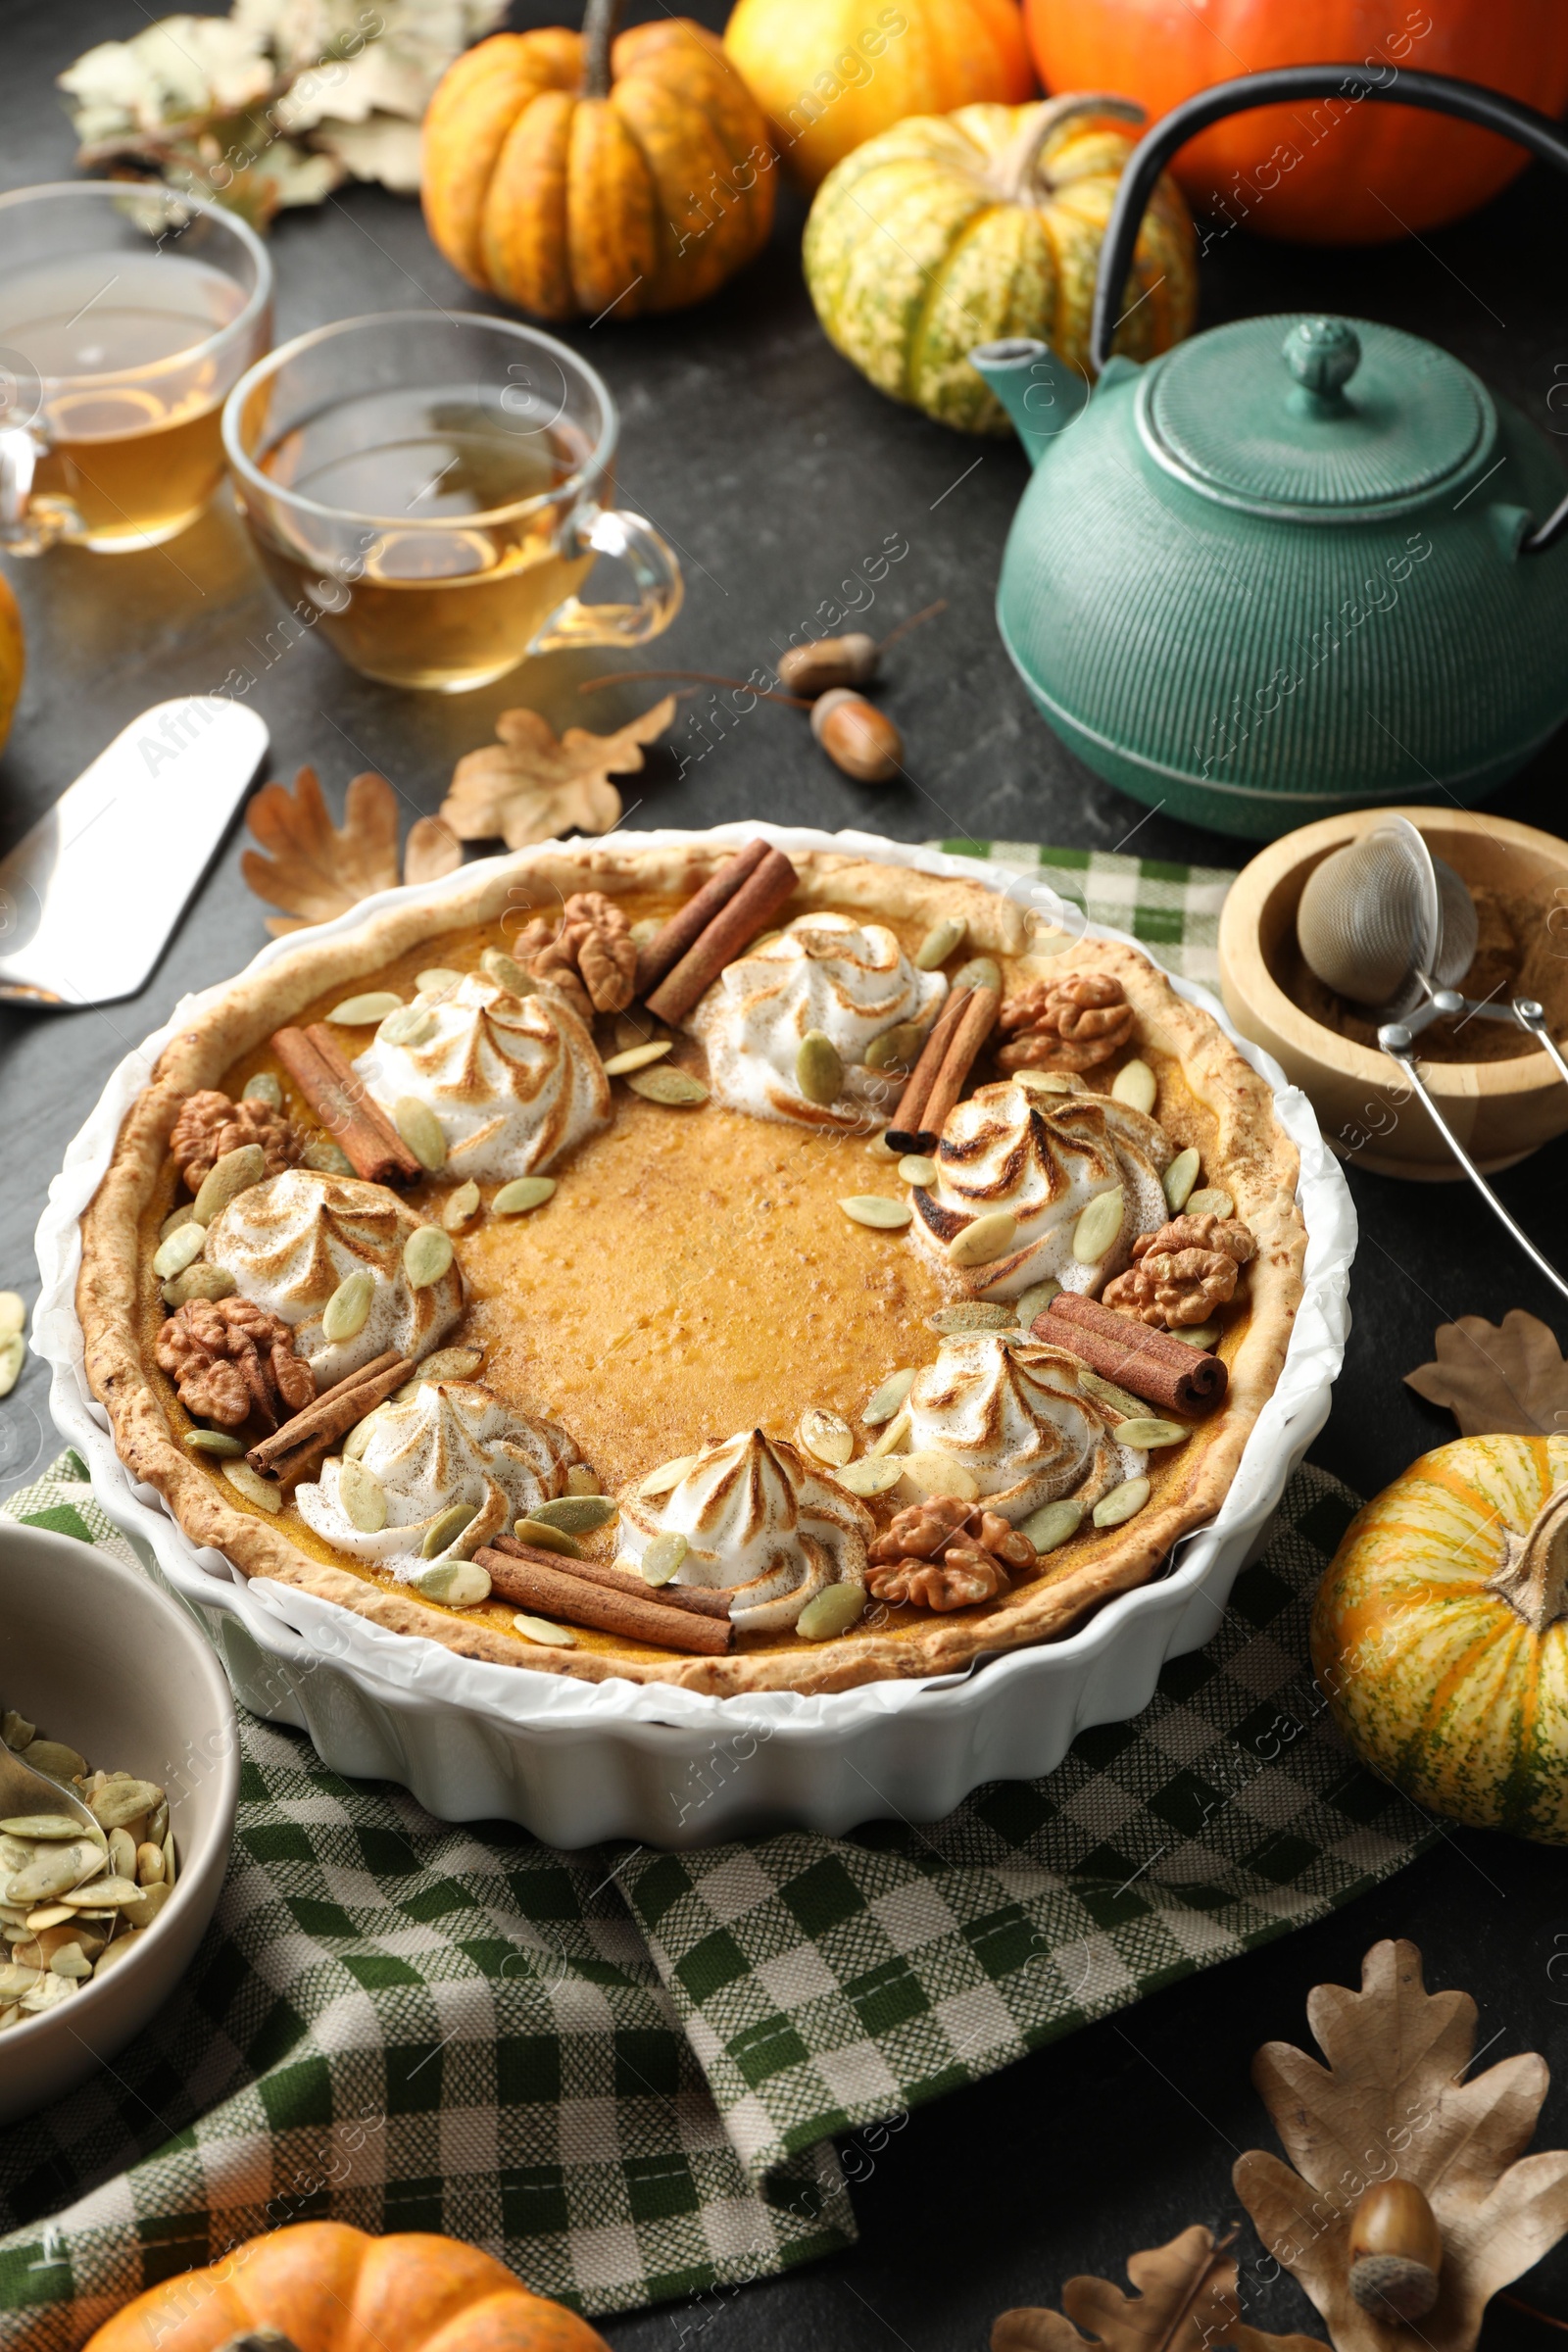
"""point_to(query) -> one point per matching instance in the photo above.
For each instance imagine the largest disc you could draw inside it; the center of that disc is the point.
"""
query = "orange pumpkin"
(330, 2288)
(1327, 171)
(572, 176)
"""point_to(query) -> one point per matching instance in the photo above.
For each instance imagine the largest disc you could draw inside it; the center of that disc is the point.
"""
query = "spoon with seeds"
(30, 1800)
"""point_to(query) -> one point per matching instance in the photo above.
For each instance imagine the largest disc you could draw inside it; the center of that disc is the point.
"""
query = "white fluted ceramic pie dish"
(577, 1762)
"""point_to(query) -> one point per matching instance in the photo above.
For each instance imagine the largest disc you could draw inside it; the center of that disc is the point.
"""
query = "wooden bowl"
(1501, 1110)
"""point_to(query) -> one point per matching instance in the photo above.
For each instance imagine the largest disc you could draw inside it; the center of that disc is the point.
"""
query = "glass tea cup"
(430, 491)
(127, 314)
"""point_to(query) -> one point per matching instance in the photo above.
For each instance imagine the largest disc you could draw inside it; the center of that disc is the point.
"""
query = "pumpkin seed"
(831, 1612)
(943, 939)
(326, 1157)
(48, 1875)
(116, 1951)
(52, 1756)
(253, 1486)
(663, 1558)
(16, 1731)
(1122, 1502)
(264, 1088)
(436, 979)
(932, 1472)
(522, 1192)
(422, 1131)
(426, 1256)
(877, 1210)
(1094, 1234)
(677, 1090)
(506, 971)
(981, 971)
(183, 1248)
(818, 1068)
(881, 1148)
(365, 1011)
(1195, 1334)
(459, 1583)
(360, 1436)
(668, 1476)
(462, 1206)
(637, 1058)
(551, 1636)
(826, 1436)
(411, 1025)
(363, 1496)
(12, 1314)
(1136, 1085)
(897, 1048)
(539, 1531)
(1179, 1180)
(988, 1238)
(347, 1310)
(146, 1903)
(452, 1363)
(175, 1220)
(975, 1314)
(220, 1444)
(1147, 1431)
(576, 1514)
(888, 1397)
(916, 1168)
(227, 1179)
(13, 1355)
(1035, 1301)
(1051, 1082)
(893, 1436)
(1131, 1408)
(1212, 1201)
(200, 1280)
(871, 1475)
(581, 1478)
(149, 1864)
(46, 1825)
(103, 1895)
(444, 1529)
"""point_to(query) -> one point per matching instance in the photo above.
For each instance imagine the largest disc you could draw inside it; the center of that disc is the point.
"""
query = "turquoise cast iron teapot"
(1296, 565)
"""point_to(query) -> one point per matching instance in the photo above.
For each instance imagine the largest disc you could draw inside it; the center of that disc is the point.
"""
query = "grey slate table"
(777, 471)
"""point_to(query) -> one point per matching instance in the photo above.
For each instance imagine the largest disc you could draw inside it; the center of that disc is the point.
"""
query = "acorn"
(813, 669)
(1396, 2252)
(857, 736)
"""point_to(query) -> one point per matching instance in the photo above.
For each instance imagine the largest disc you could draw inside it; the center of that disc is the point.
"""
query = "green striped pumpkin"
(1439, 1635)
(955, 229)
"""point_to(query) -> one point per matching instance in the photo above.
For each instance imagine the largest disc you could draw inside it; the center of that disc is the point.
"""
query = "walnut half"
(591, 958)
(976, 1547)
(230, 1358)
(1181, 1274)
(1068, 1024)
(210, 1124)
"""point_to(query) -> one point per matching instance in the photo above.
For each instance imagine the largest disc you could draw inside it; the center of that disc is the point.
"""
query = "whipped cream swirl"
(515, 1081)
(451, 1442)
(290, 1240)
(761, 1524)
(1003, 1150)
(1015, 1417)
(849, 980)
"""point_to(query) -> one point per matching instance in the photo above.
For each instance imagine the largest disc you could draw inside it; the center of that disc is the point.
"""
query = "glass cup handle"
(28, 524)
(652, 562)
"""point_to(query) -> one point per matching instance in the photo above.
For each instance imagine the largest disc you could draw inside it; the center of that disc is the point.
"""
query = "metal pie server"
(89, 897)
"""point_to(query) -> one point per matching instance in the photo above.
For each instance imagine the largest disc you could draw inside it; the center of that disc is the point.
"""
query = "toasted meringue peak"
(1001, 1148)
(515, 1081)
(290, 1241)
(451, 1441)
(849, 980)
(1017, 1420)
(761, 1526)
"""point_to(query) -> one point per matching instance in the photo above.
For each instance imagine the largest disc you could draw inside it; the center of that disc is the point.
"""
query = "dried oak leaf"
(315, 870)
(1185, 2303)
(535, 786)
(1391, 2100)
(1505, 1379)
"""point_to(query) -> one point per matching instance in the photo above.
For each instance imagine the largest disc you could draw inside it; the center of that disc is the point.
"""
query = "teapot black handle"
(1440, 93)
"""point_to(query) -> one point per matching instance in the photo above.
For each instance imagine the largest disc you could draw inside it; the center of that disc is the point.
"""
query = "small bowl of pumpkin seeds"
(120, 1768)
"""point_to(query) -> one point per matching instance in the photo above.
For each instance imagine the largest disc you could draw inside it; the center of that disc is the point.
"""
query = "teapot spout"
(1040, 393)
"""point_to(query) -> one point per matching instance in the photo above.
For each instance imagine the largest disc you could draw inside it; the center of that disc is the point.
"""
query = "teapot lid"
(1313, 418)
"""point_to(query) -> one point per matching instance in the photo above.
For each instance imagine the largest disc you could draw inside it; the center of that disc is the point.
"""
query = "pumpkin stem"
(1533, 1576)
(1015, 175)
(597, 31)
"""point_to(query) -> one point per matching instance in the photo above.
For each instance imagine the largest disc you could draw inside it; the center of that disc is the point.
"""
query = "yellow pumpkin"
(1439, 1634)
(956, 230)
(573, 177)
(12, 657)
(831, 74)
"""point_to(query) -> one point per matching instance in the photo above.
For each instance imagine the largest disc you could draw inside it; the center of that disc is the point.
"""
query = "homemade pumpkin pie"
(693, 1266)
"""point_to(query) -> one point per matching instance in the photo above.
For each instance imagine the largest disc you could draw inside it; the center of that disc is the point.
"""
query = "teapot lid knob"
(1323, 354)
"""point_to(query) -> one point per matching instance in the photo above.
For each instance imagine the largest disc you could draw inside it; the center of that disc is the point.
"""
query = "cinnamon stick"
(978, 1020)
(735, 926)
(316, 1064)
(700, 1601)
(683, 930)
(532, 1586)
(334, 1412)
(1154, 1365)
(908, 1131)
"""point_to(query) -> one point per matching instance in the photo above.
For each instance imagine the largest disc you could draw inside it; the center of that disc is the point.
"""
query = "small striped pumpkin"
(1439, 1634)
(955, 229)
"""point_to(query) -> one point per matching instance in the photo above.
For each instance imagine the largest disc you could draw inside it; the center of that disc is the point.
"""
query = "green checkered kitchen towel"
(1172, 910)
(624, 2071)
